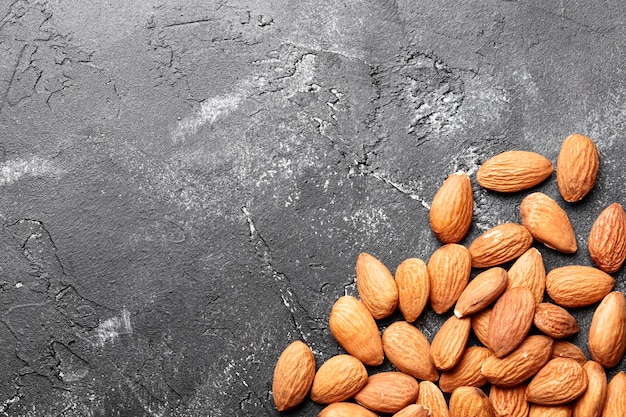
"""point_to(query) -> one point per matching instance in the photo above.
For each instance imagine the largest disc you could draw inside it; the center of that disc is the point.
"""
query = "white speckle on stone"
(19, 285)
(13, 170)
(111, 329)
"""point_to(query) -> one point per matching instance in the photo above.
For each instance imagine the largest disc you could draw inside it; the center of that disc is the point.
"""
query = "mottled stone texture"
(185, 186)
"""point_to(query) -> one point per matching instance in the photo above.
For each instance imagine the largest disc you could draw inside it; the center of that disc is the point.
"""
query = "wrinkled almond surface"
(577, 167)
(500, 244)
(607, 333)
(528, 271)
(413, 288)
(470, 402)
(388, 392)
(409, 350)
(338, 379)
(510, 321)
(431, 396)
(449, 343)
(449, 270)
(467, 371)
(513, 171)
(560, 381)
(480, 325)
(452, 208)
(345, 409)
(413, 410)
(509, 402)
(376, 286)
(565, 349)
(607, 239)
(537, 410)
(481, 291)
(548, 223)
(293, 375)
(590, 404)
(577, 285)
(555, 321)
(615, 403)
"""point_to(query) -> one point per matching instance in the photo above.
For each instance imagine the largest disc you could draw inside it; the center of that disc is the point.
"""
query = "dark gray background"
(185, 186)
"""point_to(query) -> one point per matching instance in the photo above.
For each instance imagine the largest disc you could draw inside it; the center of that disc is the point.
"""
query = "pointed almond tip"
(458, 314)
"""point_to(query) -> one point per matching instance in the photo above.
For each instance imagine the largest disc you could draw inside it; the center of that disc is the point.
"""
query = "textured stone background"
(185, 186)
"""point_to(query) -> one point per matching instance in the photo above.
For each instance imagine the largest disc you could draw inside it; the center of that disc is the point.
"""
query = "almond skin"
(577, 285)
(499, 245)
(548, 223)
(467, 371)
(555, 321)
(591, 402)
(452, 208)
(607, 239)
(431, 396)
(449, 270)
(354, 328)
(470, 402)
(509, 402)
(521, 364)
(388, 392)
(607, 333)
(615, 403)
(413, 410)
(528, 271)
(481, 291)
(413, 288)
(560, 381)
(480, 325)
(408, 350)
(513, 171)
(565, 349)
(577, 167)
(449, 343)
(293, 376)
(537, 410)
(338, 379)
(510, 320)
(376, 286)
(346, 410)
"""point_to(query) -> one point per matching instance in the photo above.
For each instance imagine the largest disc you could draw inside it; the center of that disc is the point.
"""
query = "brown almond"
(577, 167)
(452, 208)
(548, 223)
(480, 325)
(560, 381)
(555, 321)
(432, 398)
(354, 328)
(413, 288)
(413, 410)
(408, 350)
(537, 410)
(513, 171)
(615, 403)
(449, 343)
(338, 379)
(499, 245)
(528, 271)
(607, 239)
(293, 376)
(577, 285)
(481, 291)
(565, 349)
(449, 270)
(521, 364)
(470, 402)
(510, 320)
(345, 409)
(607, 333)
(509, 402)
(591, 402)
(376, 286)
(388, 392)
(467, 371)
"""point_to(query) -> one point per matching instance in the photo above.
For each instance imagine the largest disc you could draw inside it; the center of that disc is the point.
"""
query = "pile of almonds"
(529, 373)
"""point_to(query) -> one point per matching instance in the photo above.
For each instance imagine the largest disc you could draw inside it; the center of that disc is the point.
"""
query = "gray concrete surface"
(185, 186)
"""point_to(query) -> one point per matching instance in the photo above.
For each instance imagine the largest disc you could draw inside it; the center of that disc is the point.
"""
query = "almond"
(560, 381)
(555, 321)
(470, 402)
(449, 343)
(480, 325)
(413, 410)
(591, 402)
(449, 270)
(607, 333)
(293, 375)
(452, 208)
(565, 349)
(607, 239)
(578, 286)
(432, 398)
(500, 244)
(346, 410)
(509, 402)
(467, 371)
(577, 167)
(388, 392)
(548, 222)
(513, 171)
(481, 291)
(338, 379)
(376, 286)
(528, 271)
(521, 364)
(409, 350)
(537, 410)
(355, 330)
(615, 403)
(510, 320)
(413, 288)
